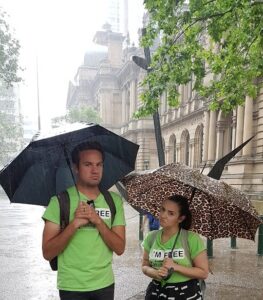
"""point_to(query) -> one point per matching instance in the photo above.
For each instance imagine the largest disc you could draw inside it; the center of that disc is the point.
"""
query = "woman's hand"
(163, 272)
(168, 263)
(151, 272)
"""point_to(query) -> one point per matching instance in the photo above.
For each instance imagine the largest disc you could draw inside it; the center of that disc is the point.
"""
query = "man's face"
(90, 167)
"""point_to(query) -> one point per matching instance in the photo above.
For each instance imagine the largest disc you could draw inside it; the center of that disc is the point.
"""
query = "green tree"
(11, 134)
(11, 131)
(221, 37)
(9, 53)
(82, 113)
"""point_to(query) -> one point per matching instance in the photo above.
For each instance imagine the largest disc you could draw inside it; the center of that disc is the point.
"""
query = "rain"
(81, 62)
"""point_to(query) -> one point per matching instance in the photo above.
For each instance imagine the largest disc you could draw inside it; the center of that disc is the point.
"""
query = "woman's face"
(170, 214)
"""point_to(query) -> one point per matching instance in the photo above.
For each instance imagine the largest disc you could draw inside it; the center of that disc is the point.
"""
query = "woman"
(174, 274)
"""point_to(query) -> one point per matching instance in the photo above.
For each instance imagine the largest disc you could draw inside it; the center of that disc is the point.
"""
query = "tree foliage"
(10, 134)
(221, 37)
(9, 53)
(81, 113)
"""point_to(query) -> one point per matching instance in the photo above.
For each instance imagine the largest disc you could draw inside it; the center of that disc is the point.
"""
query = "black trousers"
(101, 294)
(180, 291)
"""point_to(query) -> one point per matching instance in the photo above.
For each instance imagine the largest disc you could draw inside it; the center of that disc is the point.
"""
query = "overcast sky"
(56, 33)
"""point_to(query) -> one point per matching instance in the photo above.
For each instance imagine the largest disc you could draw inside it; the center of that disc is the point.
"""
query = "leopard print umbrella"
(218, 209)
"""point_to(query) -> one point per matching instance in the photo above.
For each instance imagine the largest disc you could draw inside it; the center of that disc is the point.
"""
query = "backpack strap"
(184, 240)
(64, 206)
(107, 196)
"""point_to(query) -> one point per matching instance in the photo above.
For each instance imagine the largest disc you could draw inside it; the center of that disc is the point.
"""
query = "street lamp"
(145, 63)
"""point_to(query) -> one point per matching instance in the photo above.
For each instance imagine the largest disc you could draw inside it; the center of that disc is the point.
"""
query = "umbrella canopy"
(42, 169)
(218, 210)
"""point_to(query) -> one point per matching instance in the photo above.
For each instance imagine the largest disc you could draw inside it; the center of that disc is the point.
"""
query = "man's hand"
(92, 216)
(81, 214)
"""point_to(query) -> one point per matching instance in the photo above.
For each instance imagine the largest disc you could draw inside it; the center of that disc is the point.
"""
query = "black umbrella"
(42, 169)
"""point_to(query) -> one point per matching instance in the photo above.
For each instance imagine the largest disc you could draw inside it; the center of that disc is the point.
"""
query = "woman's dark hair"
(182, 202)
(83, 147)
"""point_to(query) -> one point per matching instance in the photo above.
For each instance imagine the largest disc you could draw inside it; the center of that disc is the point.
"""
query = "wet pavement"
(25, 275)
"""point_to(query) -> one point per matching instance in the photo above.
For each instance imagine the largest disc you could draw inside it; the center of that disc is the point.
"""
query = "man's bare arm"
(114, 238)
(54, 241)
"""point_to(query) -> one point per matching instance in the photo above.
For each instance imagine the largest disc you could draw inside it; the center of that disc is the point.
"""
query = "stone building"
(110, 82)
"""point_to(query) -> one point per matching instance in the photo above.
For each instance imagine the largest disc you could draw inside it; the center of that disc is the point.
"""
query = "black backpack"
(64, 205)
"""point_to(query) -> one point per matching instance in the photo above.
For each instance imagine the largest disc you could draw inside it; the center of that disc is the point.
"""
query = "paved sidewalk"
(238, 274)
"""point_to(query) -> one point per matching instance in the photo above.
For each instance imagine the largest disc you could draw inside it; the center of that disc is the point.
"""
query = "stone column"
(220, 139)
(123, 105)
(212, 137)
(239, 127)
(169, 154)
(248, 125)
(260, 124)
(132, 98)
(178, 154)
(234, 123)
(206, 135)
(192, 153)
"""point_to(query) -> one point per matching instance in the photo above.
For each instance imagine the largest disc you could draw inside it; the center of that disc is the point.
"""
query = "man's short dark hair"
(83, 147)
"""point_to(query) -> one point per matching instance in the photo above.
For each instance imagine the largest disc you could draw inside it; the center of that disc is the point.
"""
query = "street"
(25, 275)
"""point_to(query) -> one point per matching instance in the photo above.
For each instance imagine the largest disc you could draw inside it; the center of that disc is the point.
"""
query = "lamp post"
(145, 167)
(144, 63)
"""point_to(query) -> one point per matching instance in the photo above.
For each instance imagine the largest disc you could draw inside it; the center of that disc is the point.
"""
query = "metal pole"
(140, 227)
(158, 137)
(209, 244)
(38, 102)
(260, 238)
(156, 118)
(233, 243)
(145, 63)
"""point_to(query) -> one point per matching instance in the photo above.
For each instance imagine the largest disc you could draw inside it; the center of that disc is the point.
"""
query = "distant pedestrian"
(175, 274)
(153, 223)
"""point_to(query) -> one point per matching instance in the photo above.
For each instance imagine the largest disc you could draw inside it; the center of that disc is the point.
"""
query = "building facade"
(191, 133)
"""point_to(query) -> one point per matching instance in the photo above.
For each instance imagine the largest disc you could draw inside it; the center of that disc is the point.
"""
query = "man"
(85, 247)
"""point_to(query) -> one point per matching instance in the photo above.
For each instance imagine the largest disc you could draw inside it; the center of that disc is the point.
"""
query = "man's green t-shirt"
(86, 262)
(160, 250)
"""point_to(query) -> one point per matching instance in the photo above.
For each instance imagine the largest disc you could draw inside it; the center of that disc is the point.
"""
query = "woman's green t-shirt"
(158, 251)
